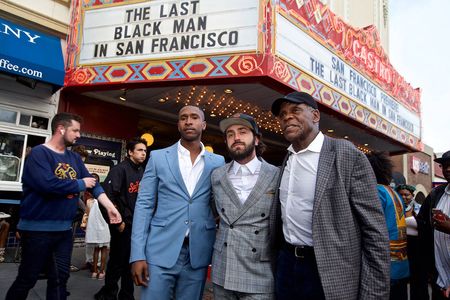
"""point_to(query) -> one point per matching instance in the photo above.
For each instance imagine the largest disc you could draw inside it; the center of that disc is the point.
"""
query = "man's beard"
(242, 154)
(69, 144)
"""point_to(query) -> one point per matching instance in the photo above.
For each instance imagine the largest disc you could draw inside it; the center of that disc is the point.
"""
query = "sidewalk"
(80, 285)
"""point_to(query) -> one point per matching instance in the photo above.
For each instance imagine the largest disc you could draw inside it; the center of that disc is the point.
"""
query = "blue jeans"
(43, 250)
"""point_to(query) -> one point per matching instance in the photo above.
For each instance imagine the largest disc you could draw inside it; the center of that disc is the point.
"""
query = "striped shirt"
(442, 244)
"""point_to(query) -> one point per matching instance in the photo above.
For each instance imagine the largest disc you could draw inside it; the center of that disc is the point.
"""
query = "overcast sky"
(420, 52)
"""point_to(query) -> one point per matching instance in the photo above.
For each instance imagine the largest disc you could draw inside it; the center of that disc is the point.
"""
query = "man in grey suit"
(331, 233)
(173, 224)
(244, 191)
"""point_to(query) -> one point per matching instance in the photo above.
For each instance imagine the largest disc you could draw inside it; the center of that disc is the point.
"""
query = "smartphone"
(438, 214)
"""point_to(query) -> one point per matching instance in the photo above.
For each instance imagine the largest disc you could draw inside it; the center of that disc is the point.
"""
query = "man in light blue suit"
(173, 225)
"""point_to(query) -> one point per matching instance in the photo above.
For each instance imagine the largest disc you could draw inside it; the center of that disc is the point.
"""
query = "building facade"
(154, 57)
(131, 65)
(32, 70)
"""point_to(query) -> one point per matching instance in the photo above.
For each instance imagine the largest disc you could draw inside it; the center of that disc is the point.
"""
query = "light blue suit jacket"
(164, 211)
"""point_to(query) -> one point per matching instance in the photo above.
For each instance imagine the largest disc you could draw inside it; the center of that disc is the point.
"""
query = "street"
(80, 285)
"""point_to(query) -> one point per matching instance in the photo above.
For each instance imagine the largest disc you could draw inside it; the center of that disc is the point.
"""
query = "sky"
(419, 50)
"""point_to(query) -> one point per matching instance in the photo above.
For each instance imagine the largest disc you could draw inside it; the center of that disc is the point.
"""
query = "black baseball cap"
(294, 97)
(239, 119)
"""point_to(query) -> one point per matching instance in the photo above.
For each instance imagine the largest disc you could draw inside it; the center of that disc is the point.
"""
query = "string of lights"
(225, 105)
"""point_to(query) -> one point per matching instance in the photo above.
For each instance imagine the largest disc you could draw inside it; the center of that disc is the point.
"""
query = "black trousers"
(297, 276)
(418, 283)
(118, 268)
(399, 289)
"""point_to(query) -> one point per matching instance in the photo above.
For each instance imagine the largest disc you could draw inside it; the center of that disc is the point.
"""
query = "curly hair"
(382, 166)
(81, 150)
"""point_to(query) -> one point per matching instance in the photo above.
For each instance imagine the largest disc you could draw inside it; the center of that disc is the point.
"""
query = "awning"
(29, 53)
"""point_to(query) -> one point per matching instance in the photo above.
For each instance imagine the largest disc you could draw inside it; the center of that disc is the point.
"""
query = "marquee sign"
(300, 43)
(359, 47)
(168, 28)
(296, 46)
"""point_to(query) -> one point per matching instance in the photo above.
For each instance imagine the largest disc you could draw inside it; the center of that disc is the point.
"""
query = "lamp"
(123, 97)
(209, 148)
(148, 137)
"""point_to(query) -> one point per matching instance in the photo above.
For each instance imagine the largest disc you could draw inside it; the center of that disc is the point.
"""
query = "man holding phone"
(434, 231)
(441, 220)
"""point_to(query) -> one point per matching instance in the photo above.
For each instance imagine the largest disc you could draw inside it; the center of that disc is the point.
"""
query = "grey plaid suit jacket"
(350, 236)
(242, 257)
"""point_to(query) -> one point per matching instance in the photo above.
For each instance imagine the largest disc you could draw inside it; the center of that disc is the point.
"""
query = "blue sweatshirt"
(52, 182)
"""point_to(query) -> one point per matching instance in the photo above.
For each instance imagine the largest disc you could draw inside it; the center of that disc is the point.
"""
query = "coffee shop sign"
(418, 166)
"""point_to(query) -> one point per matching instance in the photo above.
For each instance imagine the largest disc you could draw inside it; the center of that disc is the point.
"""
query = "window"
(39, 122)
(8, 116)
(13, 150)
(25, 120)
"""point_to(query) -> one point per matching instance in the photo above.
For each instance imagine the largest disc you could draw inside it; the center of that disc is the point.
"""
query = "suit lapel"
(326, 163)
(206, 174)
(258, 190)
(228, 187)
(174, 166)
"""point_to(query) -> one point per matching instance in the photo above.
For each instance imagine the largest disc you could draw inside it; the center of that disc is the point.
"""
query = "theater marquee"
(301, 44)
(161, 29)
(298, 47)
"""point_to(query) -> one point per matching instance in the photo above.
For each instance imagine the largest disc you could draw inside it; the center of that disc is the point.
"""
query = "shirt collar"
(447, 189)
(132, 163)
(253, 166)
(185, 152)
(315, 146)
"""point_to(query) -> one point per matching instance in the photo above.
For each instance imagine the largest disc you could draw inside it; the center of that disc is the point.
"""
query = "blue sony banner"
(30, 53)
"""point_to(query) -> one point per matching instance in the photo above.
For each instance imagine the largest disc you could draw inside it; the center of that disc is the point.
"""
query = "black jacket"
(121, 186)
(426, 229)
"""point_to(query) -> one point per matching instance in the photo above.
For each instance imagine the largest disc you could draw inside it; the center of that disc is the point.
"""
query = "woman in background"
(394, 213)
(418, 286)
(97, 235)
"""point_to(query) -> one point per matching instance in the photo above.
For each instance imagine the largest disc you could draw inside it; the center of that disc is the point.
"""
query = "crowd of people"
(327, 224)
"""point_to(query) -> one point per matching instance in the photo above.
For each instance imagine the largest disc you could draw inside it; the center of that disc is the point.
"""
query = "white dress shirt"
(244, 177)
(297, 189)
(442, 244)
(190, 172)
